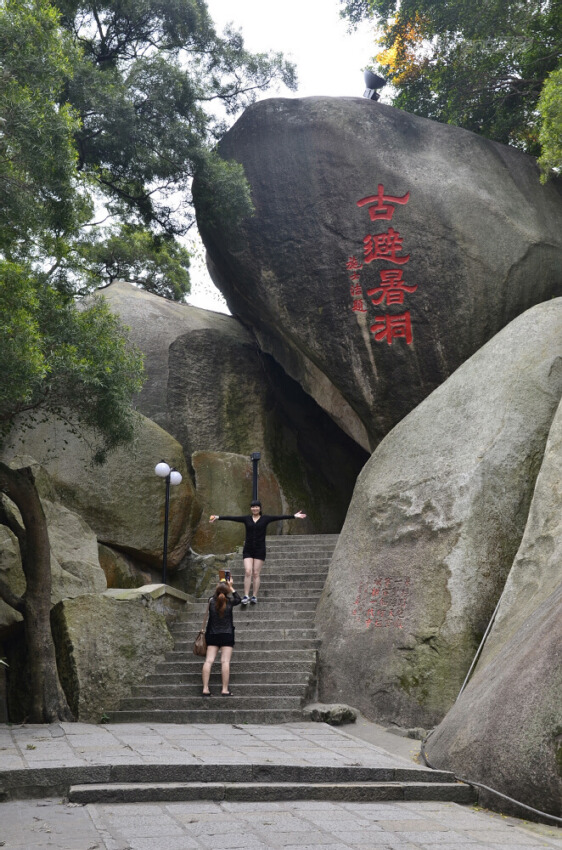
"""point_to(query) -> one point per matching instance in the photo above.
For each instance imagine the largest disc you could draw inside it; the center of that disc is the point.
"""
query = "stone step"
(281, 606)
(257, 619)
(257, 678)
(360, 792)
(291, 579)
(275, 658)
(254, 632)
(209, 715)
(249, 702)
(243, 689)
(301, 558)
(240, 661)
(249, 643)
(247, 772)
(299, 587)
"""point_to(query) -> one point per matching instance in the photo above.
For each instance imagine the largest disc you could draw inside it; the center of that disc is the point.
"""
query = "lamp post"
(172, 476)
(255, 457)
(373, 83)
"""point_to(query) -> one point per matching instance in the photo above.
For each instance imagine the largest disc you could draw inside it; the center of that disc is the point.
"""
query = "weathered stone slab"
(435, 521)
(123, 501)
(104, 648)
(212, 389)
(120, 570)
(165, 600)
(505, 729)
(385, 249)
(75, 568)
(335, 714)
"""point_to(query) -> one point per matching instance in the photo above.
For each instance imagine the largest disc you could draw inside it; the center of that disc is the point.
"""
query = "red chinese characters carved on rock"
(381, 206)
(384, 246)
(389, 327)
(359, 306)
(353, 264)
(392, 288)
(383, 603)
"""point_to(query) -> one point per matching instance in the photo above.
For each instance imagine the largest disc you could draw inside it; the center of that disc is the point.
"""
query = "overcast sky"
(329, 60)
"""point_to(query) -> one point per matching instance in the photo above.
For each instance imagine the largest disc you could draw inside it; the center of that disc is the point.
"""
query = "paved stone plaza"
(52, 822)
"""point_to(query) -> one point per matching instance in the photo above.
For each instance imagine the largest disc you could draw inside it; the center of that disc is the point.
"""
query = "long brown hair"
(221, 592)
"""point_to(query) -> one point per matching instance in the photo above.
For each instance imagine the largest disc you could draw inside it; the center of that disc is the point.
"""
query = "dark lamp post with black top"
(172, 476)
(255, 457)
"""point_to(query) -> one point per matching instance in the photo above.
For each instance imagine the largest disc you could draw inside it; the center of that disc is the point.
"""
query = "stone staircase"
(273, 670)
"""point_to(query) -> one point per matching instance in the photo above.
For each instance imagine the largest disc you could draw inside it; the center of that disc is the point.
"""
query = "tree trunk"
(48, 700)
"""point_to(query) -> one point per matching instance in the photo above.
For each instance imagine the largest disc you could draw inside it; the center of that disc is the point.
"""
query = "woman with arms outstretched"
(254, 546)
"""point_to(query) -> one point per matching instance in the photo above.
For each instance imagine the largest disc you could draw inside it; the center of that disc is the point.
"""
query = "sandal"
(226, 693)
(206, 695)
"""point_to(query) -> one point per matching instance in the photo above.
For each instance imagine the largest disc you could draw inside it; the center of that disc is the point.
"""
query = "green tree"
(158, 263)
(54, 358)
(550, 108)
(40, 192)
(479, 65)
(155, 88)
(78, 365)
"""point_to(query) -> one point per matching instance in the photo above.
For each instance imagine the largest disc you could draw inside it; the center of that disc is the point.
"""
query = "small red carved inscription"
(381, 602)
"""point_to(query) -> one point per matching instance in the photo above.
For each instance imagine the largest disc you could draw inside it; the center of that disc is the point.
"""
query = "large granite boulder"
(155, 323)
(224, 486)
(120, 570)
(122, 500)
(11, 574)
(434, 524)
(211, 388)
(505, 730)
(385, 249)
(75, 567)
(104, 648)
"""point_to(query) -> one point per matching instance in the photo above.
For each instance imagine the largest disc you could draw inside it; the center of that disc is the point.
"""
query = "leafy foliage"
(136, 255)
(479, 65)
(154, 89)
(38, 187)
(116, 104)
(550, 108)
(55, 359)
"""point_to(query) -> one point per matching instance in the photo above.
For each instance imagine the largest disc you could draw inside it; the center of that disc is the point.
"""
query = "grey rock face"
(122, 500)
(434, 524)
(75, 568)
(155, 324)
(102, 650)
(504, 731)
(385, 249)
(334, 715)
(213, 391)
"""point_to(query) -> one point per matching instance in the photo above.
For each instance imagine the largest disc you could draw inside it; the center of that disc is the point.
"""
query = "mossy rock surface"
(104, 648)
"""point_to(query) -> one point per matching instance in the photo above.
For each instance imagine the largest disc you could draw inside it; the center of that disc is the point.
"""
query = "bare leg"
(256, 575)
(207, 664)
(248, 569)
(226, 655)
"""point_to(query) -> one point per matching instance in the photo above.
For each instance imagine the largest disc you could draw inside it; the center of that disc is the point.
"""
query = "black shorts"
(259, 554)
(219, 640)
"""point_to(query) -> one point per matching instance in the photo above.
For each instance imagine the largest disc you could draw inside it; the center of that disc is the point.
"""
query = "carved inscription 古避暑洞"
(391, 288)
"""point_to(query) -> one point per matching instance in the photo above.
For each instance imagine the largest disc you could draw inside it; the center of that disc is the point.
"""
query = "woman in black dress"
(219, 634)
(254, 546)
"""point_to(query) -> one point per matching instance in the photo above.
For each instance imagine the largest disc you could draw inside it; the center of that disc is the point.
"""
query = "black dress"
(254, 545)
(220, 630)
